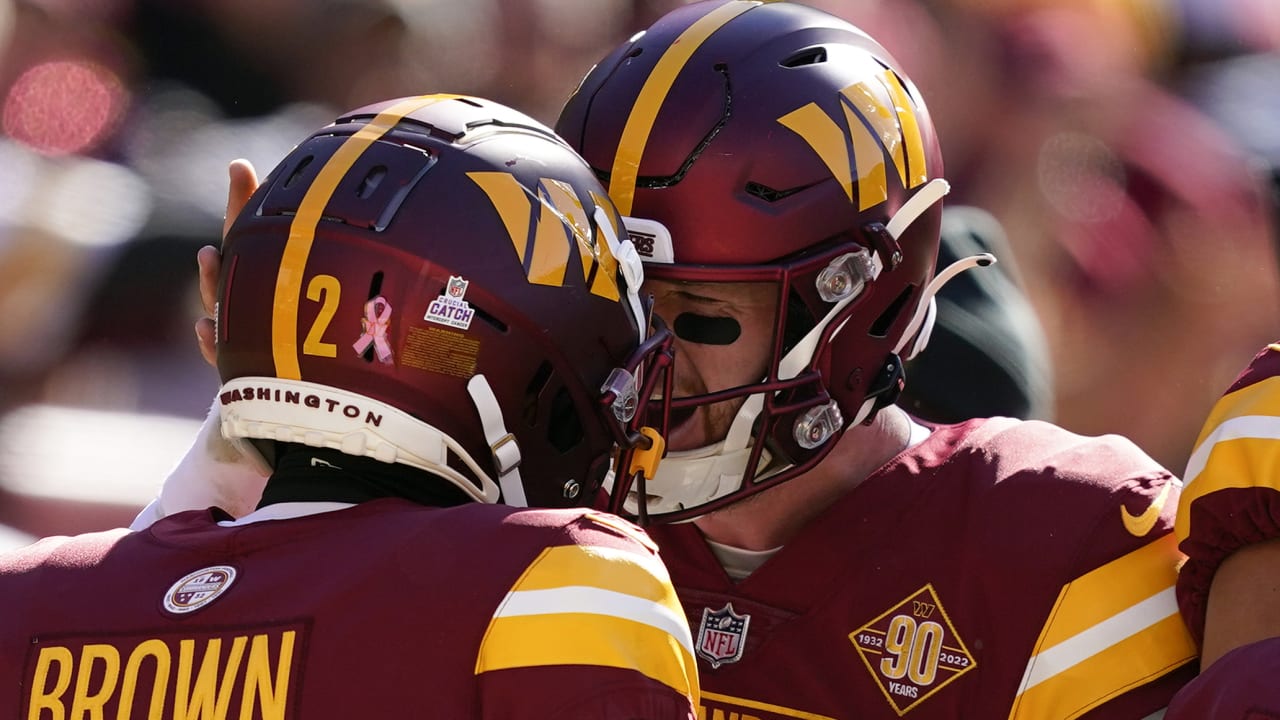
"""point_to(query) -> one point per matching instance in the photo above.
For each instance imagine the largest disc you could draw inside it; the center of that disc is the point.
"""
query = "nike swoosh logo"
(1139, 525)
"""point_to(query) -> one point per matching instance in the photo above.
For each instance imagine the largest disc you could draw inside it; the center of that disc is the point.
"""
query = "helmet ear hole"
(880, 328)
(799, 322)
(533, 391)
(564, 427)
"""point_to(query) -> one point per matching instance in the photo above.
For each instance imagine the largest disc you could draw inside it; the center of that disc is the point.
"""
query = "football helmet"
(439, 281)
(747, 141)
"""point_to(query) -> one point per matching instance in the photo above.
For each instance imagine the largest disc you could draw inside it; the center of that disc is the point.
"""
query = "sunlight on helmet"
(436, 282)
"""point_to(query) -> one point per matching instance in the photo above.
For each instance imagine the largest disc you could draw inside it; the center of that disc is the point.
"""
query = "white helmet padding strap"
(624, 251)
(506, 452)
(927, 312)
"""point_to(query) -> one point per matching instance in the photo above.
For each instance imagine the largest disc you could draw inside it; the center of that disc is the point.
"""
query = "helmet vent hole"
(371, 181)
(493, 322)
(880, 328)
(537, 385)
(564, 428)
(808, 56)
(768, 194)
(297, 171)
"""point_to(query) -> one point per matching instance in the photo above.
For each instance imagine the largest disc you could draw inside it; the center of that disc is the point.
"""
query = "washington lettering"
(295, 397)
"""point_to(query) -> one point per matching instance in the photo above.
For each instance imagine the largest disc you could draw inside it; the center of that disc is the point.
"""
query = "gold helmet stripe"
(302, 233)
(626, 164)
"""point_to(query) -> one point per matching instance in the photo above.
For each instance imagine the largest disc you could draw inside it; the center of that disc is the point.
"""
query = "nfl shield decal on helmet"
(457, 287)
(722, 635)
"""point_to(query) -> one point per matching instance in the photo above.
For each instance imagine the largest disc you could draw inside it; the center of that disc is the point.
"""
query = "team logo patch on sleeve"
(722, 635)
(198, 589)
(912, 650)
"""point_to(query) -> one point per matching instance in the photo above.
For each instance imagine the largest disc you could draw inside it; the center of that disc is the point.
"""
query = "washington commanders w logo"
(543, 229)
(879, 122)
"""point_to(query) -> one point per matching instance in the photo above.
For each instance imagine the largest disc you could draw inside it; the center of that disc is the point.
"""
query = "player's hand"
(243, 182)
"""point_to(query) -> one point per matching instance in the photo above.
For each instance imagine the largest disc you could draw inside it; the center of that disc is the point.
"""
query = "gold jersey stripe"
(302, 232)
(630, 573)
(1123, 666)
(577, 638)
(1111, 589)
(1110, 630)
(1260, 398)
(1239, 447)
(635, 134)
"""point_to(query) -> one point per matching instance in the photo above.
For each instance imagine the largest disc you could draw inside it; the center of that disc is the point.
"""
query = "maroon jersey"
(1231, 496)
(998, 569)
(1240, 685)
(382, 610)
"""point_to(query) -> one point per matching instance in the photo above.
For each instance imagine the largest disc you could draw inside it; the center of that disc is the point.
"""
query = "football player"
(837, 558)
(428, 324)
(781, 177)
(1229, 525)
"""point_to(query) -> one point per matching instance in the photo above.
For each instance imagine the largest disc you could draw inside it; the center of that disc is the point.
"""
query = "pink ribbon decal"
(375, 323)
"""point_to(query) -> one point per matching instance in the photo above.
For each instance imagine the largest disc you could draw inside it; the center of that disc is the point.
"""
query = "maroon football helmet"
(748, 141)
(439, 281)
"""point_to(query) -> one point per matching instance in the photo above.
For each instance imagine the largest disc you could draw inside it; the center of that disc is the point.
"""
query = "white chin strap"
(694, 477)
(502, 444)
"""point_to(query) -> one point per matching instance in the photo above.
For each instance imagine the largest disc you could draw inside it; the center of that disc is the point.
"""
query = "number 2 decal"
(324, 289)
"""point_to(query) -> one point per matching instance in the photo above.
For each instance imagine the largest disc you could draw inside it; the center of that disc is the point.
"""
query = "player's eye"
(707, 330)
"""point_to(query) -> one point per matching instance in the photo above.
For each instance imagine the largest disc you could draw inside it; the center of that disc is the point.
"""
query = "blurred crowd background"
(1129, 148)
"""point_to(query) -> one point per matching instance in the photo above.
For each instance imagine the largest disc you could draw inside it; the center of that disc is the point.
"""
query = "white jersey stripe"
(1263, 427)
(594, 601)
(1084, 645)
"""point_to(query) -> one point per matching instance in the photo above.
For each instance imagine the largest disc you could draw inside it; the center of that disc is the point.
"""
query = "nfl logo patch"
(457, 287)
(722, 635)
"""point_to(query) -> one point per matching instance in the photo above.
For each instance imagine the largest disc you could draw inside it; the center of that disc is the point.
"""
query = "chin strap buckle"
(644, 460)
(886, 387)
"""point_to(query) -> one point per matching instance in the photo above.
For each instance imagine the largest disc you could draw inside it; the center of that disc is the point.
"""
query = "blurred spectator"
(1133, 222)
(988, 354)
(118, 120)
(1142, 233)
